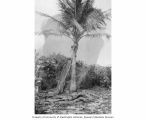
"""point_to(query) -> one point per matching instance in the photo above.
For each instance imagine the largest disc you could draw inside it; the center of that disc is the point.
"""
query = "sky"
(92, 52)
(50, 6)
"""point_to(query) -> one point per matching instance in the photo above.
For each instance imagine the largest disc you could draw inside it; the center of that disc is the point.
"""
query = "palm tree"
(79, 19)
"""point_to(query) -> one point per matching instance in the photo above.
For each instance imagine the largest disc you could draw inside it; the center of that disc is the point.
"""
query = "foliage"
(78, 19)
(88, 76)
(83, 12)
(49, 69)
(97, 76)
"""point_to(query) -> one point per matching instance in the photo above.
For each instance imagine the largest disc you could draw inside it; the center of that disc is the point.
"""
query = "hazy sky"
(50, 6)
(92, 52)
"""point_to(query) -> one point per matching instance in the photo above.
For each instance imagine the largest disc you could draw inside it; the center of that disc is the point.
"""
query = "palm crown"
(79, 17)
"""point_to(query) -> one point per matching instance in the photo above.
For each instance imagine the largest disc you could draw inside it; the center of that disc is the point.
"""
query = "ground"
(96, 100)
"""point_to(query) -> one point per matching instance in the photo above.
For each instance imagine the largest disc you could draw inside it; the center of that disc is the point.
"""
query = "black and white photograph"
(73, 71)
(72, 59)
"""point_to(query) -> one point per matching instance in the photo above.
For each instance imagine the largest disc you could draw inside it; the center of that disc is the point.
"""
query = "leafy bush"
(104, 76)
(97, 76)
(49, 68)
(90, 78)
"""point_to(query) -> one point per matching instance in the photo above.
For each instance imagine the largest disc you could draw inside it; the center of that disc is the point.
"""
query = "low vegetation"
(89, 78)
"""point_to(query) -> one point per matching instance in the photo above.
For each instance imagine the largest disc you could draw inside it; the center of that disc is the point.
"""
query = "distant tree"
(79, 19)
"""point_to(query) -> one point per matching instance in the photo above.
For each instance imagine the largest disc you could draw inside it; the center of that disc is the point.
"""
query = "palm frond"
(67, 16)
(42, 32)
(57, 21)
(78, 9)
(64, 29)
(97, 34)
(56, 33)
(87, 8)
(88, 3)
(70, 4)
(95, 20)
(67, 12)
(62, 4)
(107, 14)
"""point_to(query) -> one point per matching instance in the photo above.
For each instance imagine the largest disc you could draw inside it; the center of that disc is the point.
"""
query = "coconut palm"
(79, 19)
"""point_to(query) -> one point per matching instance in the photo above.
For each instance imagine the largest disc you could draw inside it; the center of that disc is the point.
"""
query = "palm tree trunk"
(73, 85)
(62, 77)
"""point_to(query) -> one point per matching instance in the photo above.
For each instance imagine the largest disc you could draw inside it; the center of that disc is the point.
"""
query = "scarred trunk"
(73, 85)
(62, 77)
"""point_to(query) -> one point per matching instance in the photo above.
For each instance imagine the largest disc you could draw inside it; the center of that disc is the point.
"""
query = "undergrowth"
(47, 69)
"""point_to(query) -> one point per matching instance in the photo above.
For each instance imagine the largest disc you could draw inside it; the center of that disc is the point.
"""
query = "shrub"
(49, 68)
(104, 75)
(97, 76)
(90, 78)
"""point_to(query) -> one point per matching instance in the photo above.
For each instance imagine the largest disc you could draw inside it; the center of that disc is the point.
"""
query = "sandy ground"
(100, 103)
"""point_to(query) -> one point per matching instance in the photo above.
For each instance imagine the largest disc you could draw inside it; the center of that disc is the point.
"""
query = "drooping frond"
(107, 14)
(67, 12)
(87, 8)
(70, 4)
(62, 28)
(95, 20)
(57, 21)
(98, 35)
(59, 34)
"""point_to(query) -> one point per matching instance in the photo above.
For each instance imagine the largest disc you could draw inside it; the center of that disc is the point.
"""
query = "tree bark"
(73, 85)
(62, 77)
